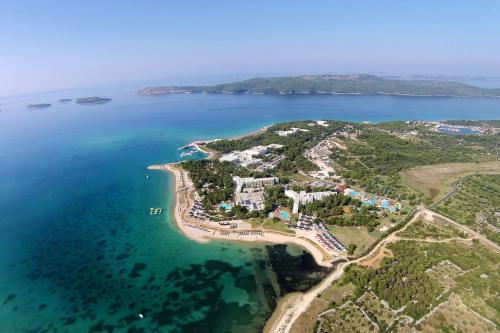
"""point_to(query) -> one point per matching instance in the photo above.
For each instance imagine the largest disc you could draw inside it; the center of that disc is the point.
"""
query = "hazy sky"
(47, 45)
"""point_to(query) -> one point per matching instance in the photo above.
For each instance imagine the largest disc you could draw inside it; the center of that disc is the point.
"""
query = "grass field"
(271, 225)
(355, 235)
(434, 181)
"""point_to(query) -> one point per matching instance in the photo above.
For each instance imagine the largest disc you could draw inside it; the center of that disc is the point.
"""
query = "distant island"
(39, 106)
(65, 100)
(92, 100)
(355, 84)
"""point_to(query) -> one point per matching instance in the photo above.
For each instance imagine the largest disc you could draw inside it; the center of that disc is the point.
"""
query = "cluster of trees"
(399, 280)
(402, 279)
(275, 197)
(213, 180)
(331, 211)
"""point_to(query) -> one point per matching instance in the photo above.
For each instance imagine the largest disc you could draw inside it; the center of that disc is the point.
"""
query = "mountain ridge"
(362, 84)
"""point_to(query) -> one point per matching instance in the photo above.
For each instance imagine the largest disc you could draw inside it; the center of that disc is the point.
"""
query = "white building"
(292, 130)
(245, 157)
(304, 198)
(252, 200)
(253, 182)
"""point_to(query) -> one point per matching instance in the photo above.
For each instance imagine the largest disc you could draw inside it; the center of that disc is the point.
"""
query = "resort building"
(248, 156)
(249, 191)
(251, 199)
(251, 182)
(292, 130)
(303, 197)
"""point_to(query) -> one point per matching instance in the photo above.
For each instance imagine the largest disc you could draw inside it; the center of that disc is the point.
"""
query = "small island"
(65, 100)
(39, 105)
(354, 84)
(93, 100)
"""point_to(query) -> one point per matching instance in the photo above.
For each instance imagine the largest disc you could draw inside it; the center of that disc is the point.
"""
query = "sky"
(48, 45)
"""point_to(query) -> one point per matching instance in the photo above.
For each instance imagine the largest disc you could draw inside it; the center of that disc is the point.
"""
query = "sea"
(79, 250)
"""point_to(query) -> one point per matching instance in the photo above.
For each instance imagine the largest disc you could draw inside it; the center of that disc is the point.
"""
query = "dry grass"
(374, 307)
(334, 293)
(456, 317)
(347, 319)
(434, 181)
(375, 260)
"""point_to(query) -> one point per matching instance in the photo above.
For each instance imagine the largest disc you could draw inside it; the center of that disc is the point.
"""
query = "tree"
(351, 248)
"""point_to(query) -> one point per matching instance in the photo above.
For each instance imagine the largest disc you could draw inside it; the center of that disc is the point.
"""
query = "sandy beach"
(203, 232)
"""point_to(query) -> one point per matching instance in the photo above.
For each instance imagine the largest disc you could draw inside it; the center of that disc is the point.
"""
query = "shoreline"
(380, 93)
(204, 232)
(211, 153)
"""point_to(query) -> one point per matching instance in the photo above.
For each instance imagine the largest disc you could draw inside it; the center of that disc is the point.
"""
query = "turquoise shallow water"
(79, 251)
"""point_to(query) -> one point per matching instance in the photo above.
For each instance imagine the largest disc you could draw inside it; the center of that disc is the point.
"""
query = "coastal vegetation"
(343, 210)
(332, 84)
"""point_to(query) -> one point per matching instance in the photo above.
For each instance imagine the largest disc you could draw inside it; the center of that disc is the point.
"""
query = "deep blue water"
(78, 249)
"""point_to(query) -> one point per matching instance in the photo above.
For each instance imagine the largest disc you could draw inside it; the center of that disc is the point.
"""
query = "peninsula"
(355, 84)
(92, 100)
(357, 197)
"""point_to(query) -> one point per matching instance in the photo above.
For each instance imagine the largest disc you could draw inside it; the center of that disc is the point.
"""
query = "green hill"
(333, 84)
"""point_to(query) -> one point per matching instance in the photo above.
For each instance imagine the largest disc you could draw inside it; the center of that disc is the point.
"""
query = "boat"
(155, 210)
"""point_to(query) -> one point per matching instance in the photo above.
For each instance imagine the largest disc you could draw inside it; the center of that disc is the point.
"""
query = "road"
(462, 227)
(288, 317)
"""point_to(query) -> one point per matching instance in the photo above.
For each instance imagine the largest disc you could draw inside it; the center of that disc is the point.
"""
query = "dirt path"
(462, 227)
(284, 317)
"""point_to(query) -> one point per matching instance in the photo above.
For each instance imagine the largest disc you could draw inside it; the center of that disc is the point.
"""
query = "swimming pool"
(226, 206)
(284, 215)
